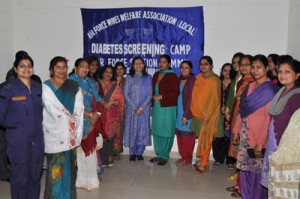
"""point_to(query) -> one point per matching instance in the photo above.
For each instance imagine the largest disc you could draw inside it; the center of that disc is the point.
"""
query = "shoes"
(154, 159)
(201, 169)
(217, 164)
(132, 158)
(232, 189)
(236, 194)
(140, 157)
(162, 162)
(231, 166)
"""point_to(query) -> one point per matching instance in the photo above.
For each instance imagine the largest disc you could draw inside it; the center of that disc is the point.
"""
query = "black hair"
(119, 64)
(167, 57)
(207, 58)
(22, 57)
(132, 70)
(20, 53)
(231, 74)
(77, 62)
(293, 63)
(103, 70)
(238, 54)
(274, 58)
(54, 61)
(263, 59)
(90, 59)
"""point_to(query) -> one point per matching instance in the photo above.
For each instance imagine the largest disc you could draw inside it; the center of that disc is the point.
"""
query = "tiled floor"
(143, 180)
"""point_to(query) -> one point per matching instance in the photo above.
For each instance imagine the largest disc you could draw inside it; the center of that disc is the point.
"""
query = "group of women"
(258, 116)
(84, 120)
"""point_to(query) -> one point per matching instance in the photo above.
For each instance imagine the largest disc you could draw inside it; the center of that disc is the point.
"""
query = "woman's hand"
(108, 105)
(235, 140)
(157, 97)
(138, 112)
(257, 151)
(183, 121)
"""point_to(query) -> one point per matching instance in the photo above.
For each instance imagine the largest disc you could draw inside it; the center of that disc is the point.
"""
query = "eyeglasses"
(204, 64)
(245, 64)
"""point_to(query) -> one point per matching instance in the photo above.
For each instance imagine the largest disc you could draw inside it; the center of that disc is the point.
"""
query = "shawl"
(284, 180)
(62, 116)
(262, 95)
(187, 95)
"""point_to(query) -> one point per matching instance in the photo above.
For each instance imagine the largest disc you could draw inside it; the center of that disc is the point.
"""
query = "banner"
(115, 35)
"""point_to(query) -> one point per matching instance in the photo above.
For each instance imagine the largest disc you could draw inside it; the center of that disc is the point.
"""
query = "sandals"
(162, 162)
(154, 159)
(231, 166)
(232, 189)
(217, 165)
(236, 194)
(201, 169)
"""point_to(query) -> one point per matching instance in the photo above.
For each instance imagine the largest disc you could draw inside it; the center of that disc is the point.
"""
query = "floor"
(143, 180)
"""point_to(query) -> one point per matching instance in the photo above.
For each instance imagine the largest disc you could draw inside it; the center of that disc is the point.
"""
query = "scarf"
(278, 104)
(262, 95)
(187, 94)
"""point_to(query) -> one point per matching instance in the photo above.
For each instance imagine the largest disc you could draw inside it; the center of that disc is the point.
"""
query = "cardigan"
(168, 88)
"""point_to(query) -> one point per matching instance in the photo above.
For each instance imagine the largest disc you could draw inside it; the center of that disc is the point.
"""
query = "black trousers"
(4, 168)
(220, 150)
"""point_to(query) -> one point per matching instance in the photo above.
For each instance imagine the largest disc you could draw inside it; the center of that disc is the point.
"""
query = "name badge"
(19, 98)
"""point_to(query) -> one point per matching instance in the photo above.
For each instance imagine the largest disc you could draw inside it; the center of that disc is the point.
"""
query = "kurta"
(205, 106)
(138, 94)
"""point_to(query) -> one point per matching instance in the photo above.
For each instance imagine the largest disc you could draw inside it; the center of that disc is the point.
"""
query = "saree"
(86, 154)
(205, 105)
(115, 115)
(61, 167)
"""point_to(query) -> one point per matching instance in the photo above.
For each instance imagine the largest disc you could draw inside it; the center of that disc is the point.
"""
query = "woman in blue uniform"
(21, 115)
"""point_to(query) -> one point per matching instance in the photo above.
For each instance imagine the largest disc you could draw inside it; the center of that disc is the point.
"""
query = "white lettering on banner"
(113, 21)
(131, 15)
(151, 49)
(106, 48)
(160, 17)
(180, 49)
(187, 27)
(113, 61)
(100, 26)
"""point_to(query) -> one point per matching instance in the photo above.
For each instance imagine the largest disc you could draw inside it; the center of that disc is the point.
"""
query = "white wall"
(49, 28)
(293, 45)
(6, 38)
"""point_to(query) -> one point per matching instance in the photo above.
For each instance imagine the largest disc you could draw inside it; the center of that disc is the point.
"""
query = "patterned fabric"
(138, 94)
(284, 173)
(244, 162)
(115, 115)
(61, 175)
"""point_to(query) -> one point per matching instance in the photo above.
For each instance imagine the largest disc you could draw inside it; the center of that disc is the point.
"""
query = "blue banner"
(121, 34)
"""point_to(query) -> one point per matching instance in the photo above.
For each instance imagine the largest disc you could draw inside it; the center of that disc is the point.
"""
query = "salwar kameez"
(163, 128)
(185, 137)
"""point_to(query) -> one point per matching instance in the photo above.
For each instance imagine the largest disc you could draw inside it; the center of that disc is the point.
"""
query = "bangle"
(141, 108)
(91, 114)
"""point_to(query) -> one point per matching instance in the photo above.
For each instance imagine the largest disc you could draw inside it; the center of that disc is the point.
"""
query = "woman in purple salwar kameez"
(283, 106)
(252, 128)
(138, 95)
